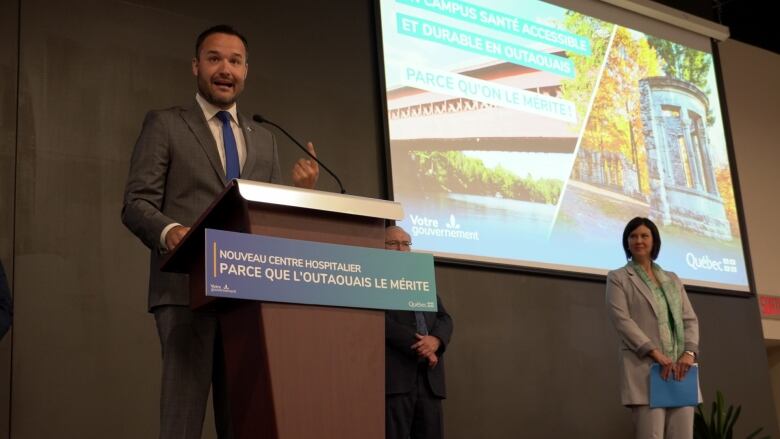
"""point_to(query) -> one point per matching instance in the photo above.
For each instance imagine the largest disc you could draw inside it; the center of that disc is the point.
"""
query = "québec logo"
(452, 224)
(417, 304)
(707, 263)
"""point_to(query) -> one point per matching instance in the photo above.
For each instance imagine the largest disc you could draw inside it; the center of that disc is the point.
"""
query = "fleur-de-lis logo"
(452, 224)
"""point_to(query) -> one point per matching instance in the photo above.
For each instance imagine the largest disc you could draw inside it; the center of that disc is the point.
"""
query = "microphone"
(260, 119)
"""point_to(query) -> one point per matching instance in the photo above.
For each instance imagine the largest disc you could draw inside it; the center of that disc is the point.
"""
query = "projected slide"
(524, 133)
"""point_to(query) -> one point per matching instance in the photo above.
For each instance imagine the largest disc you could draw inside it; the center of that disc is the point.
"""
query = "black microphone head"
(258, 118)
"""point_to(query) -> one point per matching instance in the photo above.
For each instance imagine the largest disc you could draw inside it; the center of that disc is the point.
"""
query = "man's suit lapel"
(193, 117)
(642, 287)
(251, 145)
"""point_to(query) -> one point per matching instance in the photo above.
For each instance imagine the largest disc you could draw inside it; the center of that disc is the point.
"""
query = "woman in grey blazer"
(656, 324)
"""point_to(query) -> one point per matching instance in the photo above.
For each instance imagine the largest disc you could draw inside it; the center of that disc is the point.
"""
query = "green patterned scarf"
(668, 310)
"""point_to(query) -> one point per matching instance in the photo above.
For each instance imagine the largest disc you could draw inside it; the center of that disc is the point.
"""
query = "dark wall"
(532, 356)
(535, 356)
(8, 67)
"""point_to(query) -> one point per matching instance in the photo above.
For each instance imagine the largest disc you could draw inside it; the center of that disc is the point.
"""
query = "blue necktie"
(232, 167)
(419, 319)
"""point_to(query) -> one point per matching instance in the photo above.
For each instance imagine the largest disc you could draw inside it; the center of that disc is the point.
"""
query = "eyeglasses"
(398, 244)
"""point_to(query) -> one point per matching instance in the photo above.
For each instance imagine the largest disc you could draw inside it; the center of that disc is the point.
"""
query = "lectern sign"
(257, 267)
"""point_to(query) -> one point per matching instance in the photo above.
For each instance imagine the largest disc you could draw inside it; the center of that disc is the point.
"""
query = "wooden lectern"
(296, 371)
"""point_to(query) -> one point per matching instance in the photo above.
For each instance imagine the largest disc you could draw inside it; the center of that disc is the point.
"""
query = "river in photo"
(475, 224)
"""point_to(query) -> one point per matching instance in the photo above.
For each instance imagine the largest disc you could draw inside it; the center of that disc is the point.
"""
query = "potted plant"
(720, 422)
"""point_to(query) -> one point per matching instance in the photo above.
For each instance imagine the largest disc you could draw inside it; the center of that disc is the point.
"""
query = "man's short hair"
(219, 29)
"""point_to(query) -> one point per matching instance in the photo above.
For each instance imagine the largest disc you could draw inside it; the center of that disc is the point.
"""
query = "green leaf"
(728, 422)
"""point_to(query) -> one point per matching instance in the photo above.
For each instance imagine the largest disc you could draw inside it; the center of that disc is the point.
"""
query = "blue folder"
(673, 393)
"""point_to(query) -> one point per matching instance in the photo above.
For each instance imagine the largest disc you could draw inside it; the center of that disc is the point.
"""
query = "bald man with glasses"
(414, 363)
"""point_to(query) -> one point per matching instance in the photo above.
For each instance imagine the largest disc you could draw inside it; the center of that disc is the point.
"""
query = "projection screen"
(525, 133)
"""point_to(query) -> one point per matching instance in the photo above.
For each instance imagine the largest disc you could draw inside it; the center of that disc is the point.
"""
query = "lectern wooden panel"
(296, 371)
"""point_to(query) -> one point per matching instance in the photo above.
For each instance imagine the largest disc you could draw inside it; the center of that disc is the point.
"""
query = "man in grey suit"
(181, 162)
(414, 371)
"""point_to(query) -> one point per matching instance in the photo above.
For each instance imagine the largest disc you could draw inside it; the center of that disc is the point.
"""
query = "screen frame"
(474, 261)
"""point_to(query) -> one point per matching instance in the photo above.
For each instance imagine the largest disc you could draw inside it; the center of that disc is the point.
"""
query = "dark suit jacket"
(401, 362)
(175, 174)
(6, 306)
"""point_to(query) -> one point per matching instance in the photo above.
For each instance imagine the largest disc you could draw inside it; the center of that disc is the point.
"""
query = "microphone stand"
(260, 119)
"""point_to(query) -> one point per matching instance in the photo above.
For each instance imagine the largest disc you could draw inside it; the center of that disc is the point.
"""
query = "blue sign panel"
(256, 267)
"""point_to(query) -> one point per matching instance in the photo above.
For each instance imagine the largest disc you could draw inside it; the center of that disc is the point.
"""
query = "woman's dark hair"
(632, 225)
